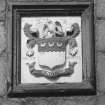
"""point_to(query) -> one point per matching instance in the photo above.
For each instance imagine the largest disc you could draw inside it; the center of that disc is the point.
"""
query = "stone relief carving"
(52, 61)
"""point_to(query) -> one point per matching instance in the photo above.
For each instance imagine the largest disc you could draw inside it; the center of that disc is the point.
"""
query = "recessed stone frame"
(85, 87)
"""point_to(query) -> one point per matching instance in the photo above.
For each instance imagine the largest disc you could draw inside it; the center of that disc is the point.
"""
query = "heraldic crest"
(52, 60)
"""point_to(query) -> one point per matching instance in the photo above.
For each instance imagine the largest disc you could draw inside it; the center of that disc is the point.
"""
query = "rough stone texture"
(100, 71)
(75, 0)
(11, 0)
(50, 101)
(3, 77)
(100, 8)
(35, 0)
(25, 0)
(49, 0)
(2, 9)
(77, 102)
(100, 100)
(2, 38)
(52, 0)
(100, 35)
(11, 102)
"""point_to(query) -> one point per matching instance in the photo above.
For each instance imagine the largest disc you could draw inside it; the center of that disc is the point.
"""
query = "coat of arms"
(51, 60)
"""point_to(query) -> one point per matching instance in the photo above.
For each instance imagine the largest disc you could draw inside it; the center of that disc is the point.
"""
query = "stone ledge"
(49, 101)
(50, 1)
(27, 0)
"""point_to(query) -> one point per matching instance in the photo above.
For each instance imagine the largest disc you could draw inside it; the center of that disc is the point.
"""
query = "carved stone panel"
(51, 49)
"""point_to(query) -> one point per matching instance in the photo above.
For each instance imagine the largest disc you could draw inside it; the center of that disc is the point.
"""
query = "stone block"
(24, 0)
(2, 9)
(2, 37)
(100, 35)
(100, 100)
(3, 77)
(100, 8)
(60, 101)
(10, 102)
(76, 0)
(100, 71)
(9, 1)
(38, 0)
(50, 101)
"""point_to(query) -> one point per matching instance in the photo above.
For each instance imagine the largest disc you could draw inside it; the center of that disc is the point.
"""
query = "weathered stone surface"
(100, 35)
(11, 102)
(100, 73)
(25, 0)
(2, 37)
(60, 101)
(100, 100)
(52, 0)
(37, 0)
(2, 9)
(11, 0)
(89, 100)
(100, 8)
(2, 5)
(80, 101)
(3, 77)
(76, 0)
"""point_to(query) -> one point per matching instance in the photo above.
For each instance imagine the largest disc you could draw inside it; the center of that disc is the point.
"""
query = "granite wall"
(99, 99)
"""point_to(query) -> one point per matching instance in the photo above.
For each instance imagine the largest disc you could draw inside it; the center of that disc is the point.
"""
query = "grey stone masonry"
(100, 35)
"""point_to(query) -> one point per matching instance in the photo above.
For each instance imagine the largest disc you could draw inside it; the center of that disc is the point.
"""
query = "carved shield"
(51, 61)
(51, 52)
